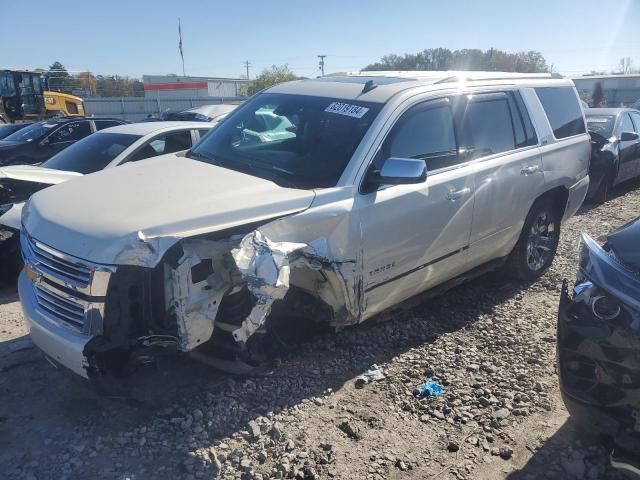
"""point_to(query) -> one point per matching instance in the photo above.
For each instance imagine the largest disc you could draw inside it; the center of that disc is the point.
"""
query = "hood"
(624, 243)
(35, 174)
(132, 214)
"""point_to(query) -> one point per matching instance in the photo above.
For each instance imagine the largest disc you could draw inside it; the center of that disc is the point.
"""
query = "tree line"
(58, 79)
(465, 59)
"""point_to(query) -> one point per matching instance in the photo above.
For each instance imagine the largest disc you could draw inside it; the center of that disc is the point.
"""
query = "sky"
(141, 37)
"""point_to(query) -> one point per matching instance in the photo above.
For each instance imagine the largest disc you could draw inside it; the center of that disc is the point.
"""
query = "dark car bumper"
(599, 368)
(10, 260)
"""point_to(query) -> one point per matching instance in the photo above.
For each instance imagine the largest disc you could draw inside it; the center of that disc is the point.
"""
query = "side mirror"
(397, 171)
(629, 136)
(45, 142)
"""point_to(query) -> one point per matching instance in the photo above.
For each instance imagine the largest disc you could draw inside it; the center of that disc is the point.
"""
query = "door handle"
(530, 169)
(454, 195)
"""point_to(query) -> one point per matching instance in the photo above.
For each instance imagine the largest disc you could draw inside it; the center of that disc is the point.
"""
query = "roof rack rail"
(454, 75)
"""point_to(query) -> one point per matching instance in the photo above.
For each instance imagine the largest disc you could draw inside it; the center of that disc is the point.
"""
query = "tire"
(538, 242)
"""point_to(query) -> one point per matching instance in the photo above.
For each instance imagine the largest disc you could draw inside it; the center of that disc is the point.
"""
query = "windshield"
(31, 133)
(294, 140)
(601, 124)
(92, 153)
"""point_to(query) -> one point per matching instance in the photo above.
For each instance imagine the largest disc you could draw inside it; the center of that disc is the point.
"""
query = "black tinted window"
(102, 124)
(70, 132)
(563, 110)
(92, 153)
(425, 132)
(488, 126)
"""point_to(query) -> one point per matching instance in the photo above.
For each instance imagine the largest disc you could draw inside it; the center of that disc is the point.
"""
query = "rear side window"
(168, 143)
(72, 108)
(525, 133)
(425, 132)
(487, 125)
(625, 124)
(636, 120)
(71, 132)
(563, 110)
(102, 124)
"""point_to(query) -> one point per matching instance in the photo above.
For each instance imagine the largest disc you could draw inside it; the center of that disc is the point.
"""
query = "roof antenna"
(369, 86)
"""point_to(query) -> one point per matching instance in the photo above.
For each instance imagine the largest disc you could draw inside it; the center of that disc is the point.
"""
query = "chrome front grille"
(50, 261)
(69, 310)
(68, 291)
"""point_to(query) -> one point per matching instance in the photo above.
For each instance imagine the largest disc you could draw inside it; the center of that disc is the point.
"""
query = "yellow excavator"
(21, 96)
(59, 104)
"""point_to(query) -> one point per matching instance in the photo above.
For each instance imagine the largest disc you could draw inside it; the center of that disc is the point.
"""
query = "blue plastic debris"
(430, 388)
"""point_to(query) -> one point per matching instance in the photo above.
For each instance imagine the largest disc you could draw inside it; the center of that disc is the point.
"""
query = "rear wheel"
(538, 242)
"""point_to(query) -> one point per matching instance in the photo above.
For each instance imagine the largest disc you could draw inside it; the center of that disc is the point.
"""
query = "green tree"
(269, 77)
(58, 79)
(465, 59)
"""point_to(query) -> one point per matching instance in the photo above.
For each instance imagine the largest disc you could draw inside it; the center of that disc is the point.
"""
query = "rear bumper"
(577, 194)
(62, 344)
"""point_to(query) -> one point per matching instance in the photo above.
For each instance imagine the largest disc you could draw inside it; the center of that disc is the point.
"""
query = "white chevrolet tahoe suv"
(379, 186)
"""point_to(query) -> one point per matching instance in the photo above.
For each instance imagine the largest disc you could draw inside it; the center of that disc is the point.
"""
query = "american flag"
(180, 40)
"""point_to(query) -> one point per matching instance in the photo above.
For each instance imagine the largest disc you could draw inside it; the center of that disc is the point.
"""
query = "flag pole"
(180, 46)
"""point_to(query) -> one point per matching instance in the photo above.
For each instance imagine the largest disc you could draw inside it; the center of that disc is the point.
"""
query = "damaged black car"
(599, 343)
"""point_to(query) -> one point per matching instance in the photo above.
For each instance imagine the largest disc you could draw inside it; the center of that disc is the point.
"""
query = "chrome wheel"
(541, 241)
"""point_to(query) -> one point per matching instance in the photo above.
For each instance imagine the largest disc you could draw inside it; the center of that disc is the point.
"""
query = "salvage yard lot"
(491, 343)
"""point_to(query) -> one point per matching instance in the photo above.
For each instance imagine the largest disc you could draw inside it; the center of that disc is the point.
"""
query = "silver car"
(385, 185)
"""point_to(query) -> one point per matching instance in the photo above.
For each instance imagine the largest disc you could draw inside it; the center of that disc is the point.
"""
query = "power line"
(247, 65)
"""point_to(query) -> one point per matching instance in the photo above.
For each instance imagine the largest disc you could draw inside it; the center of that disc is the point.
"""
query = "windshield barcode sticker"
(346, 109)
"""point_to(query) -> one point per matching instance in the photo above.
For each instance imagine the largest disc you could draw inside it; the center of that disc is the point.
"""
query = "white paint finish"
(505, 191)
(409, 226)
(149, 128)
(11, 218)
(100, 215)
(36, 174)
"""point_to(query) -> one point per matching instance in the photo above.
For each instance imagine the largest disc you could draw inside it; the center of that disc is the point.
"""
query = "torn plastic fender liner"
(265, 266)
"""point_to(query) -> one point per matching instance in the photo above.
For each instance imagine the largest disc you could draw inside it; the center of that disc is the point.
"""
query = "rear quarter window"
(563, 110)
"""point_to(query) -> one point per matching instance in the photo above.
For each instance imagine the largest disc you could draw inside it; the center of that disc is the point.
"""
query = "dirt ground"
(490, 343)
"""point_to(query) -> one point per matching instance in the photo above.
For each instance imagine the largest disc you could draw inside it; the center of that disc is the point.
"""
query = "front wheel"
(538, 242)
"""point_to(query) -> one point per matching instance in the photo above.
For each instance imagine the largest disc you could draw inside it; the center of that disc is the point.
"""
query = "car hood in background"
(625, 244)
(32, 173)
(132, 214)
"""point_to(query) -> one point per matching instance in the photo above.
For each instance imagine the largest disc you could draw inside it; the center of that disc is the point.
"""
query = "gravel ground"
(490, 343)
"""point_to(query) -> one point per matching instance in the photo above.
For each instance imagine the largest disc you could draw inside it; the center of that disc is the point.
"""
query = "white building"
(170, 86)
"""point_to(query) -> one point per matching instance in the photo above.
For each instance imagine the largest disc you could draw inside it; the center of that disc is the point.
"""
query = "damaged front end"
(599, 343)
(211, 296)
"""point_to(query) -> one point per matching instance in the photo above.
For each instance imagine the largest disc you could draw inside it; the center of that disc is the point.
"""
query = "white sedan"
(106, 148)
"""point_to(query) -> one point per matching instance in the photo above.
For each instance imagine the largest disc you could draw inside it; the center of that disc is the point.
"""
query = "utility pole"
(247, 65)
(321, 64)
